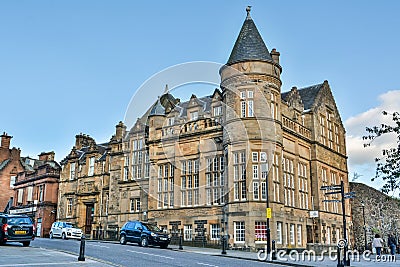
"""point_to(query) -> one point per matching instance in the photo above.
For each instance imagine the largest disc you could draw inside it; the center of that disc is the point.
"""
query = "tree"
(388, 166)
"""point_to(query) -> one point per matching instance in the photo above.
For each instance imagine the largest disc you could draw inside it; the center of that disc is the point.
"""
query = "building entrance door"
(89, 218)
(310, 234)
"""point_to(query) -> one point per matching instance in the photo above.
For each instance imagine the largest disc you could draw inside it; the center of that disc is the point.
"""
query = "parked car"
(65, 230)
(16, 228)
(144, 234)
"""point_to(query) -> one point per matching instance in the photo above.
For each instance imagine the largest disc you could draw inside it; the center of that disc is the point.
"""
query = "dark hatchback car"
(144, 234)
(16, 228)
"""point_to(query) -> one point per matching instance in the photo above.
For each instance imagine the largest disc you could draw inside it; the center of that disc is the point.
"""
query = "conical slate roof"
(157, 109)
(249, 45)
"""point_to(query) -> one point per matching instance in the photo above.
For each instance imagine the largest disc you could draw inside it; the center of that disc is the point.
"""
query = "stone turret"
(251, 86)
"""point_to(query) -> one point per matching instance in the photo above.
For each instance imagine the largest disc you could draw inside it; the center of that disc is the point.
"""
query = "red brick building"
(10, 166)
(36, 191)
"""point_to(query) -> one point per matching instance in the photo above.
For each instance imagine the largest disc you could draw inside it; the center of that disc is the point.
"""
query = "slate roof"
(26, 163)
(205, 102)
(249, 45)
(307, 94)
(4, 164)
(157, 109)
(101, 148)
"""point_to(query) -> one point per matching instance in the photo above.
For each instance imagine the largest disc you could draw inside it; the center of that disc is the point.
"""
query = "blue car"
(143, 234)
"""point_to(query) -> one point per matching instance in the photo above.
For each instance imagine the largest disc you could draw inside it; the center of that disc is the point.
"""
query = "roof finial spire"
(248, 9)
(166, 89)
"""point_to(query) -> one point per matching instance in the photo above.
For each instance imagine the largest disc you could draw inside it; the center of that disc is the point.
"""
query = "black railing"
(197, 241)
(101, 234)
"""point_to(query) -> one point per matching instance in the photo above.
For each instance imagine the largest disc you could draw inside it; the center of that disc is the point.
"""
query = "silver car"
(65, 230)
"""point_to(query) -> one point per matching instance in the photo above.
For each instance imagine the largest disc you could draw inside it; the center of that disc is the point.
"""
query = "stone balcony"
(296, 127)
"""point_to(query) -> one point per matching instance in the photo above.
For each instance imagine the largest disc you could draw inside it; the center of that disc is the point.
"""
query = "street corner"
(16, 255)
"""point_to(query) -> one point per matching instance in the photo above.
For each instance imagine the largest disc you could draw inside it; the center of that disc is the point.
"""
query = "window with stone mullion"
(165, 186)
(190, 184)
(214, 180)
(288, 183)
(324, 181)
(337, 140)
(275, 178)
(322, 129)
(303, 185)
(239, 173)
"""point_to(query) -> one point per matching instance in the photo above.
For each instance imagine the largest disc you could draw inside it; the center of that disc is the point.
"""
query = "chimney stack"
(47, 156)
(120, 130)
(275, 55)
(5, 140)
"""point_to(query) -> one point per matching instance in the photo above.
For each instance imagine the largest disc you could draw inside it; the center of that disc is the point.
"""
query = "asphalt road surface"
(133, 255)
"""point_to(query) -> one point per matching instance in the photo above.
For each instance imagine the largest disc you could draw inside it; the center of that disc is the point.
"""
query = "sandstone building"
(10, 166)
(36, 191)
(207, 166)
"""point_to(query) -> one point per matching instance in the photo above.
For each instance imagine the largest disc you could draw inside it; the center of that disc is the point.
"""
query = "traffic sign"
(331, 187)
(350, 195)
(332, 200)
(332, 193)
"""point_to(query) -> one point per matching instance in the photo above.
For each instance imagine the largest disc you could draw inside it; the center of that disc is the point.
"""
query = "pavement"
(294, 259)
(18, 256)
(15, 255)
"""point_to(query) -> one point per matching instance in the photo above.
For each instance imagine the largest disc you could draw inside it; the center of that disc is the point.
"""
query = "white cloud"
(362, 159)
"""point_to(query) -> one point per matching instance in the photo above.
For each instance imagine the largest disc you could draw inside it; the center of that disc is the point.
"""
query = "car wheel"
(164, 246)
(26, 243)
(51, 235)
(122, 240)
(63, 236)
(144, 242)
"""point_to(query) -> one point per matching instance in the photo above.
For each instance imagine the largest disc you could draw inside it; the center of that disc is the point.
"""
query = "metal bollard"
(223, 239)
(82, 249)
(346, 258)
(180, 242)
(273, 252)
(339, 262)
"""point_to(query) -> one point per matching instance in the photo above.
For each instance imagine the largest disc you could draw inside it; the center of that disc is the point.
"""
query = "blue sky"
(72, 66)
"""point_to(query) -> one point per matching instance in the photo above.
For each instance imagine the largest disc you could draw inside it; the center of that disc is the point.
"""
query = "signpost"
(339, 189)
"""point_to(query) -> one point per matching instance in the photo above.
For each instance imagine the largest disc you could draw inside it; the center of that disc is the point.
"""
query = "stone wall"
(382, 214)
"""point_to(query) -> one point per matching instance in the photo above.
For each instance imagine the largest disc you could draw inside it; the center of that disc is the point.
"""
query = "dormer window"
(12, 181)
(72, 171)
(194, 115)
(91, 166)
(171, 121)
(217, 111)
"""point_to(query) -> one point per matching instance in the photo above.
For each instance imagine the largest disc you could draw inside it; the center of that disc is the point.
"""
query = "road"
(133, 255)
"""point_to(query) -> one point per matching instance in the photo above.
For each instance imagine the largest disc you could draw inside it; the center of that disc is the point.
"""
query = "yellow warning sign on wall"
(269, 213)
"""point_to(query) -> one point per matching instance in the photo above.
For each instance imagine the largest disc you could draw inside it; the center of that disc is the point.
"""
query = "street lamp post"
(268, 226)
(365, 229)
